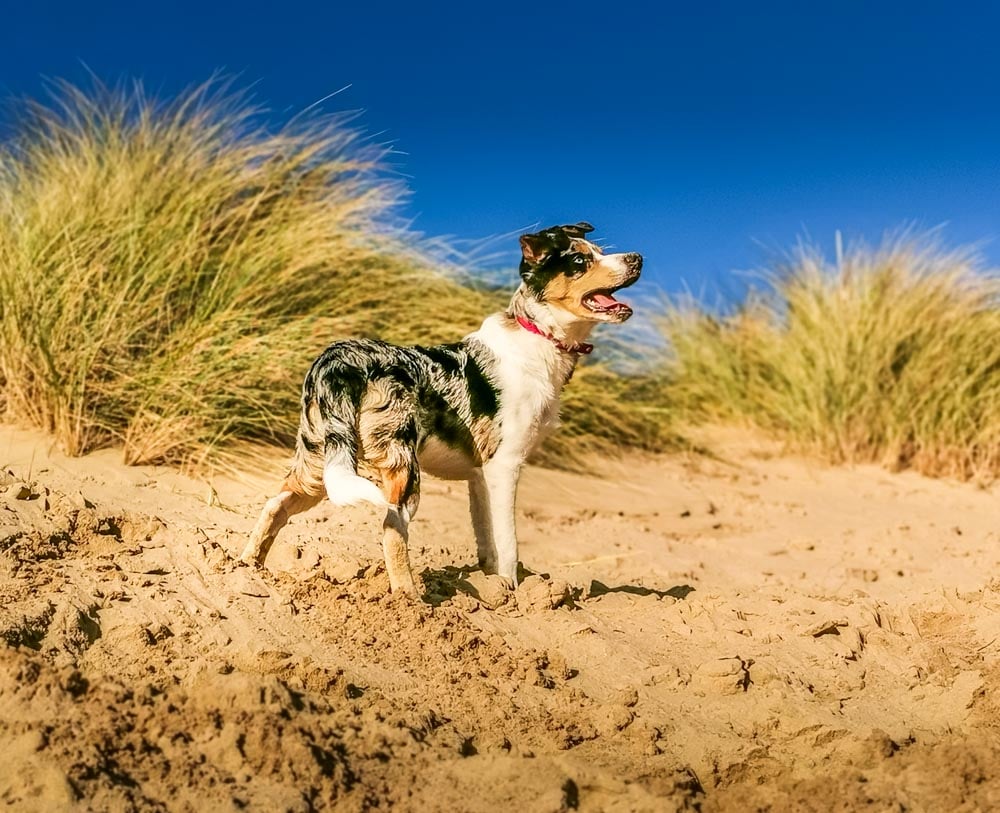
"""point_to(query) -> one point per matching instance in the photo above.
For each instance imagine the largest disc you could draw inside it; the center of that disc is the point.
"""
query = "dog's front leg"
(501, 486)
(482, 521)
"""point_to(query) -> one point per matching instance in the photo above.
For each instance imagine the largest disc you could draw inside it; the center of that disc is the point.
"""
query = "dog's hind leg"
(400, 489)
(387, 433)
(277, 511)
(482, 521)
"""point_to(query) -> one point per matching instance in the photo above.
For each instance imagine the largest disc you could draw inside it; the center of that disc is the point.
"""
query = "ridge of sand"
(748, 633)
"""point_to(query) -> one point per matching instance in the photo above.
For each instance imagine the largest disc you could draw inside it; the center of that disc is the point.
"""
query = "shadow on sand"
(679, 592)
(447, 582)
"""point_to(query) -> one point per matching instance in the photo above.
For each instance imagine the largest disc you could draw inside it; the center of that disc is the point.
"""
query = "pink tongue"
(604, 301)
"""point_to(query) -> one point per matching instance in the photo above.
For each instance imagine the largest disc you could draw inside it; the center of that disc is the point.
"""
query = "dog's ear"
(580, 229)
(538, 247)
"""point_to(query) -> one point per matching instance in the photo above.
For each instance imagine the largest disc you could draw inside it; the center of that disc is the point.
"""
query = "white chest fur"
(530, 372)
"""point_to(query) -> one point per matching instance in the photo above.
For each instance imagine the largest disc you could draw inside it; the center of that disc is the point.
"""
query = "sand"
(745, 632)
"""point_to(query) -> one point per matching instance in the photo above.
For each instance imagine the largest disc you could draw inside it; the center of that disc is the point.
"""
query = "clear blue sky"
(700, 137)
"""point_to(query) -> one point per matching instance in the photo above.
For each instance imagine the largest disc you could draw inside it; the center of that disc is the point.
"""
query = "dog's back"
(373, 412)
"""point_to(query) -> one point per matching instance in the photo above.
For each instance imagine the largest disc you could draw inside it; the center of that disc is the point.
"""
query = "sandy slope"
(745, 633)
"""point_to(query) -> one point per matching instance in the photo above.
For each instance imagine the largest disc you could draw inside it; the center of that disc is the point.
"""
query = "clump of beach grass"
(169, 270)
(885, 354)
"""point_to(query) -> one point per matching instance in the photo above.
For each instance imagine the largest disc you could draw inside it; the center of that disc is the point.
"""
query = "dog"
(374, 415)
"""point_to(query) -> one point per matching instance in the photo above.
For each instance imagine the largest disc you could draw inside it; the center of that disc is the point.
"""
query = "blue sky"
(705, 138)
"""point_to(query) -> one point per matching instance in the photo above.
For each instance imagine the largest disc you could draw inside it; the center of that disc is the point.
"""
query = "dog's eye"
(579, 260)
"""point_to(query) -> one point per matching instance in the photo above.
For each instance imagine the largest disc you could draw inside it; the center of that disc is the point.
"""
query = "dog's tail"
(343, 485)
(327, 443)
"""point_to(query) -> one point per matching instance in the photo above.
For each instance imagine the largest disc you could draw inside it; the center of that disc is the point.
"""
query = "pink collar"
(582, 348)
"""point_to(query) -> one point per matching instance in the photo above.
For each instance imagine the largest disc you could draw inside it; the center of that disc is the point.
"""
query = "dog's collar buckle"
(580, 348)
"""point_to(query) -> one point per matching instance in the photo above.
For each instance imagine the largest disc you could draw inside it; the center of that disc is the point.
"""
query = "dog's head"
(561, 268)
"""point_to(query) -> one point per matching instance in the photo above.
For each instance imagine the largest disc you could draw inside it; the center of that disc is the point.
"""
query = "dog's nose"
(634, 261)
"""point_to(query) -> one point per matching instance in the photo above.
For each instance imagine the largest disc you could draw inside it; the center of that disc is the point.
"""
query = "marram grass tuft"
(890, 354)
(168, 271)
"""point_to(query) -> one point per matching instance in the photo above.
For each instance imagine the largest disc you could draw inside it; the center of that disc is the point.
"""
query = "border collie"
(375, 415)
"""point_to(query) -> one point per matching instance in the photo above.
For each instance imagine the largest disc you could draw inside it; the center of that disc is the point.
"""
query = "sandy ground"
(751, 632)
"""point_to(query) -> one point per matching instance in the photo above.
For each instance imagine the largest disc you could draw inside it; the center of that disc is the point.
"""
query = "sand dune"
(746, 632)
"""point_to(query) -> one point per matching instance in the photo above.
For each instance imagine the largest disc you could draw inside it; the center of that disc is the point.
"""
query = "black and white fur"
(375, 415)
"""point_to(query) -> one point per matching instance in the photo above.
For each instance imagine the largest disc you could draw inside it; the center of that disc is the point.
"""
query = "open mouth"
(603, 301)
